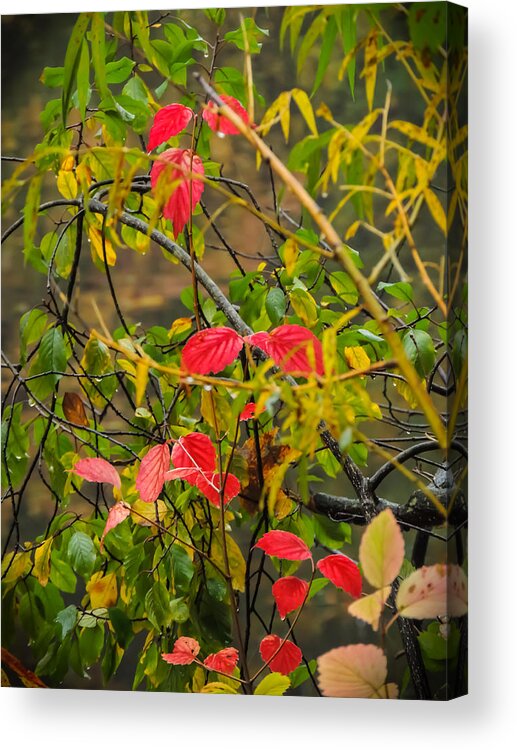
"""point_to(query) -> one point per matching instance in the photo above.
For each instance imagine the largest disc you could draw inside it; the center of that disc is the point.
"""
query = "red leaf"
(293, 348)
(251, 411)
(343, 573)
(116, 515)
(223, 661)
(177, 164)
(151, 474)
(194, 450)
(289, 593)
(285, 545)
(211, 350)
(167, 122)
(184, 652)
(288, 658)
(220, 124)
(97, 470)
(210, 485)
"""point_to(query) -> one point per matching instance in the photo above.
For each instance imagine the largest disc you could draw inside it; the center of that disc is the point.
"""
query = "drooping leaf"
(357, 671)
(223, 661)
(289, 593)
(292, 347)
(42, 561)
(178, 167)
(369, 608)
(289, 656)
(116, 515)
(285, 545)
(381, 552)
(220, 124)
(97, 470)
(184, 651)
(151, 475)
(433, 591)
(343, 573)
(168, 121)
(211, 350)
(73, 409)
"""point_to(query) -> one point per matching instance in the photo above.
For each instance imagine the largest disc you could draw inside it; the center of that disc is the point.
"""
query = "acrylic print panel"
(234, 369)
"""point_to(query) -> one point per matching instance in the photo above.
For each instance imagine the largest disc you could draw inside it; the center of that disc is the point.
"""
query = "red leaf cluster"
(186, 649)
(343, 573)
(285, 545)
(289, 593)
(292, 347)
(289, 656)
(211, 350)
(184, 652)
(168, 121)
(223, 661)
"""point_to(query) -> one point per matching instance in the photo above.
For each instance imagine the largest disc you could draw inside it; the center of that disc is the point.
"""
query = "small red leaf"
(194, 450)
(210, 485)
(285, 545)
(151, 474)
(251, 411)
(184, 652)
(211, 350)
(167, 122)
(289, 593)
(223, 661)
(343, 573)
(116, 515)
(220, 124)
(97, 470)
(292, 347)
(288, 657)
(177, 164)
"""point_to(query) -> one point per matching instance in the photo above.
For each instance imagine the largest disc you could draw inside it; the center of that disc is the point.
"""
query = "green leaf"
(30, 214)
(327, 45)
(61, 574)
(122, 625)
(217, 15)
(344, 287)
(253, 34)
(99, 54)
(419, 348)
(400, 290)
(83, 79)
(428, 25)
(348, 25)
(275, 305)
(158, 606)
(73, 52)
(179, 610)
(302, 673)
(67, 618)
(273, 684)
(82, 554)
(119, 71)
(182, 569)
(51, 359)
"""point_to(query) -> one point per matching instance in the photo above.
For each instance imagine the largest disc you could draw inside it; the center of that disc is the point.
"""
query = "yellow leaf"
(142, 375)
(102, 590)
(304, 306)
(305, 107)
(179, 326)
(436, 209)
(283, 506)
(42, 562)
(370, 67)
(67, 184)
(407, 393)
(15, 565)
(415, 133)
(356, 358)
(149, 511)
(95, 237)
(236, 561)
(328, 344)
(215, 410)
(284, 102)
(369, 608)
(381, 552)
(291, 253)
(68, 163)
(352, 230)
(273, 684)
(218, 687)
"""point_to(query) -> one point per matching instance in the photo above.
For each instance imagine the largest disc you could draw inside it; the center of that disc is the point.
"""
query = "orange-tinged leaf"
(433, 591)
(151, 475)
(184, 651)
(73, 410)
(102, 590)
(369, 608)
(357, 671)
(97, 470)
(223, 661)
(116, 515)
(381, 551)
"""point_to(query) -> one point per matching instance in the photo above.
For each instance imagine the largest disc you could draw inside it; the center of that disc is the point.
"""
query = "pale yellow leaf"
(42, 561)
(291, 253)
(356, 358)
(436, 209)
(369, 608)
(357, 671)
(381, 551)
(433, 591)
(305, 107)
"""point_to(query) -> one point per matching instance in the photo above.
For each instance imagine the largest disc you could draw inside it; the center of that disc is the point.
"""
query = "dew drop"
(207, 388)
(220, 135)
(324, 195)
